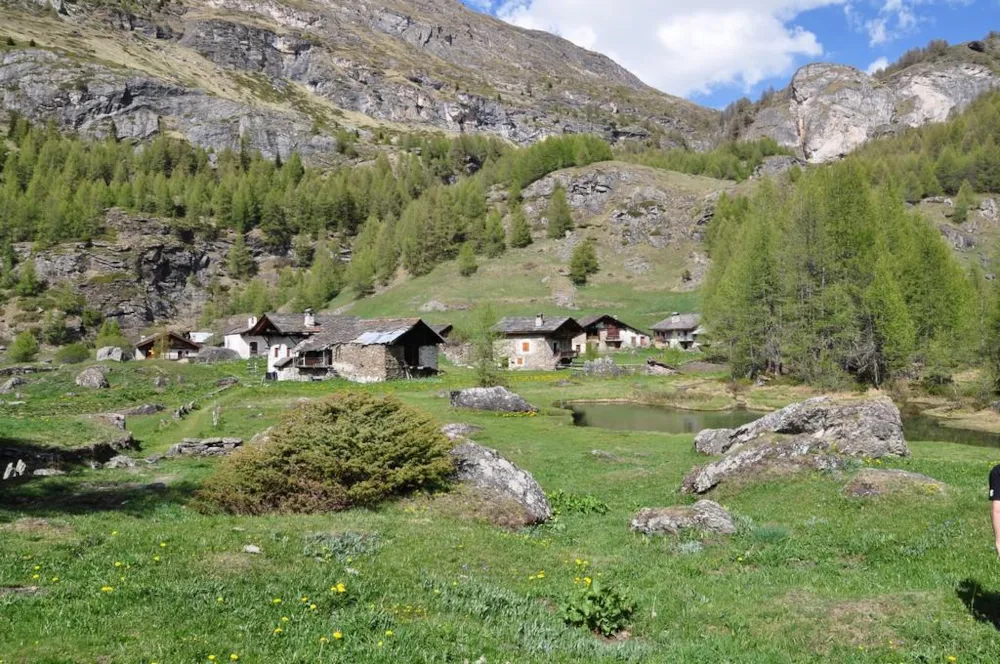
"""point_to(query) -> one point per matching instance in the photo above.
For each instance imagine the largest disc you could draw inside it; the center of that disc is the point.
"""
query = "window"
(520, 361)
(276, 351)
(253, 348)
(525, 346)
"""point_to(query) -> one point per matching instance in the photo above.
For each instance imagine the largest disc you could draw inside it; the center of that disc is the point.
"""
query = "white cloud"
(682, 46)
(878, 65)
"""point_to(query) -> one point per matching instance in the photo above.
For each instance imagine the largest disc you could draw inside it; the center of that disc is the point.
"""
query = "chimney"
(539, 320)
(310, 318)
(251, 321)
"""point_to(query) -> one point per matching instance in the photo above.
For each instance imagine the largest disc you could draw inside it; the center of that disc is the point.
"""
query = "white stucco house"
(537, 342)
(680, 331)
(605, 333)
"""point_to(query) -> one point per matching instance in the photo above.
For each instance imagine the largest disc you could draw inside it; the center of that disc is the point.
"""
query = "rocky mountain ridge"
(829, 110)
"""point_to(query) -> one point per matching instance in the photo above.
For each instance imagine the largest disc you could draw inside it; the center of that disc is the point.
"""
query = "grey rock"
(601, 455)
(11, 384)
(459, 431)
(493, 399)
(877, 482)
(713, 442)
(251, 549)
(120, 461)
(433, 306)
(145, 409)
(603, 366)
(111, 354)
(989, 209)
(959, 239)
(484, 469)
(92, 378)
(117, 420)
(184, 410)
(207, 447)
(160, 382)
(47, 472)
(213, 354)
(871, 428)
(705, 516)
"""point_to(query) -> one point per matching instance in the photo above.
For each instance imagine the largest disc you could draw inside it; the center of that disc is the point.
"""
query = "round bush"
(72, 354)
(347, 450)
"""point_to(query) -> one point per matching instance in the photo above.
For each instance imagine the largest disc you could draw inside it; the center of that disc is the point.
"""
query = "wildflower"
(379, 644)
(38, 567)
(55, 579)
(276, 600)
(587, 580)
(107, 589)
(118, 563)
(219, 600)
(284, 618)
(277, 630)
(339, 588)
(312, 607)
(388, 632)
(540, 575)
(952, 658)
(35, 577)
(323, 639)
(211, 658)
(338, 636)
(163, 545)
(156, 559)
(233, 657)
(114, 533)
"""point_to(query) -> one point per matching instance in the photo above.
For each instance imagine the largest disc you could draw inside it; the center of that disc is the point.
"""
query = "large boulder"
(868, 428)
(12, 384)
(769, 458)
(705, 515)
(205, 447)
(120, 461)
(495, 399)
(213, 354)
(111, 354)
(485, 470)
(877, 482)
(92, 378)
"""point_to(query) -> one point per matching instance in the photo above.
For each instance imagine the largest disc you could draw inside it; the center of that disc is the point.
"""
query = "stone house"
(605, 333)
(537, 342)
(166, 346)
(364, 351)
(680, 331)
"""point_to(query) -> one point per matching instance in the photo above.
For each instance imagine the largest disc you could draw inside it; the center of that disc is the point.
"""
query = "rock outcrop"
(459, 430)
(705, 516)
(213, 354)
(877, 482)
(111, 354)
(485, 470)
(819, 434)
(92, 378)
(207, 447)
(829, 110)
(493, 399)
(11, 384)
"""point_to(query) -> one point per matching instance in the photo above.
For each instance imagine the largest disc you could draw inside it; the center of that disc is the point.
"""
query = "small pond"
(635, 417)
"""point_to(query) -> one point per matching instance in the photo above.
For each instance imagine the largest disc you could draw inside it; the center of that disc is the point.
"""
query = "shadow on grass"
(983, 605)
(66, 496)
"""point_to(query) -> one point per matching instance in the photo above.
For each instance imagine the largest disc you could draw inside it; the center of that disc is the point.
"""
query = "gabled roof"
(529, 325)
(441, 328)
(378, 332)
(238, 324)
(172, 337)
(290, 324)
(587, 321)
(678, 322)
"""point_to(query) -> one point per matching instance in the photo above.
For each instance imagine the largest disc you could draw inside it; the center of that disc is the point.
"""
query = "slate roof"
(348, 330)
(679, 322)
(238, 324)
(587, 321)
(172, 336)
(526, 325)
(292, 324)
(441, 328)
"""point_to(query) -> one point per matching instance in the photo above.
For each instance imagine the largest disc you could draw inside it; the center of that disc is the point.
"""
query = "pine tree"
(467, 260)
(24, 348)
(520, 230)
(963, 202)
(559, 215)
(583, 262)
(28, 284)
(241, 263)
(495, 241)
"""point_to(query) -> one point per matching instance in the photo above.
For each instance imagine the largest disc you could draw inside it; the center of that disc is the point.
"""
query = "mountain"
(829, 110)
(291, 75)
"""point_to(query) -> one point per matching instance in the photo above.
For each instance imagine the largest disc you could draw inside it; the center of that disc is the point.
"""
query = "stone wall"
(530, 352)
(366, 364)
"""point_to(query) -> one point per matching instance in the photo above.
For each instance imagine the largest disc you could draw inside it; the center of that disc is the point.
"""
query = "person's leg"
(995, 505)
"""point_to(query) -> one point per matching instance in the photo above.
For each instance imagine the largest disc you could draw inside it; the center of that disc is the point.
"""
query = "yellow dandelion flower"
(276, 600)
(211, 658)
(163, 545)
(118, 563)
(323, 639)
(379, 644)
(107, 589)
(156, 559)
(284, 618)
(952, 658)
(312, 607)
(219, 600)
(277, 630)
(587, 580)
(38, 567)
(233, 657)
(55, 579)
(114, 533)
(304, 599)
(388, 632)
(437, 592)
(338, 636)
(541, 575)
(36, 576)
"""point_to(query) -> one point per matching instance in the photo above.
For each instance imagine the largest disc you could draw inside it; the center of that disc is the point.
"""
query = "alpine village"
(427, 331)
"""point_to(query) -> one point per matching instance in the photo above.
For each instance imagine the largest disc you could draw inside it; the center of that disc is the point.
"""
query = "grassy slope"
(820, 577)
(526, 281)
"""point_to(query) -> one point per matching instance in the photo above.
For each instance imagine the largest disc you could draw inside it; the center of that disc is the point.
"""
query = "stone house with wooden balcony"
(537, 342)
(363, 351)
(605, 333)
(680, 331)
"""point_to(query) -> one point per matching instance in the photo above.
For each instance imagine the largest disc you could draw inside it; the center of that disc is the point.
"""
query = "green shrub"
(347, 450)
(600, 608)
(24, 348)
(572, 503)
(72, 354)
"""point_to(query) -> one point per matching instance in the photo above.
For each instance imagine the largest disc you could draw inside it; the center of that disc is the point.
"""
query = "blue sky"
(715, 51)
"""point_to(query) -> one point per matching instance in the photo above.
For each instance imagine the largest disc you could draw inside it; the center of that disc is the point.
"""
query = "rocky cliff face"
(288, 75)
(829, 110)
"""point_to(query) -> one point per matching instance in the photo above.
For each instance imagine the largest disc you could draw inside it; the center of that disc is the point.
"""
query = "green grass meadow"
(119, 566)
